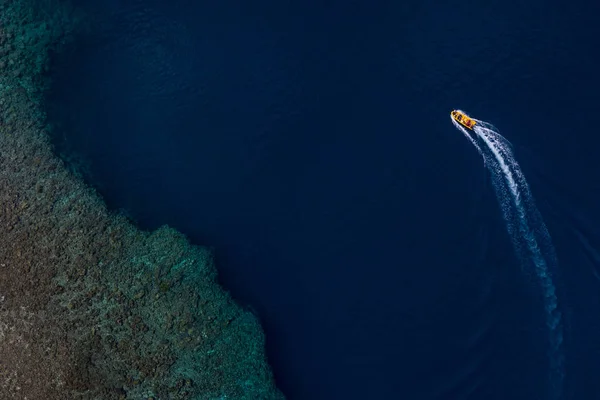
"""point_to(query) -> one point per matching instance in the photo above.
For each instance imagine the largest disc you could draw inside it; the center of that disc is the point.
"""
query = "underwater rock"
(90, 306)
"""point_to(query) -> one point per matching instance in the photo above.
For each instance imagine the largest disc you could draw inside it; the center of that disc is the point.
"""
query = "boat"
(463, 119)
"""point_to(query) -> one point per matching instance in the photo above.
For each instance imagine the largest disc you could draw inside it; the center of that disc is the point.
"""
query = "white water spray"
(527, 230)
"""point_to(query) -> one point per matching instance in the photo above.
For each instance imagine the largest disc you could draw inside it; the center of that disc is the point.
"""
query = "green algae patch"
(90, 306)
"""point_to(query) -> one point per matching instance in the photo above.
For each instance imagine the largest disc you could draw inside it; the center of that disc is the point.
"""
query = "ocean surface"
(310, 144)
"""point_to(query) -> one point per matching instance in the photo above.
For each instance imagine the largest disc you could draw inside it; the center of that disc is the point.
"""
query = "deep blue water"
(310, 144)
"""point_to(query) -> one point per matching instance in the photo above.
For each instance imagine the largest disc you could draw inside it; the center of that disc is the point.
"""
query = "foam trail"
(528, 232)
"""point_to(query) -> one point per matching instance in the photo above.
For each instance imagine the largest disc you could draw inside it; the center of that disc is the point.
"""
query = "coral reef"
(90, 306)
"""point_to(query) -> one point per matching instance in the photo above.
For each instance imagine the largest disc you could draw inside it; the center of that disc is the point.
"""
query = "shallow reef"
(90, 306)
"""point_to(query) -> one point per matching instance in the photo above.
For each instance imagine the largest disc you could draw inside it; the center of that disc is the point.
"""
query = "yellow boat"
(462, 119)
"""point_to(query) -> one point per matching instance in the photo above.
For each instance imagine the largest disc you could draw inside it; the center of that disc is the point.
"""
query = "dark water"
(311, 145)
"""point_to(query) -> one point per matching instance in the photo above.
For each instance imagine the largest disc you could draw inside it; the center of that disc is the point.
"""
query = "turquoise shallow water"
(311, 146)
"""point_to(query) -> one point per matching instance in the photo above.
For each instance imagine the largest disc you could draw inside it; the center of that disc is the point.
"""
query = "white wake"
(527, 230)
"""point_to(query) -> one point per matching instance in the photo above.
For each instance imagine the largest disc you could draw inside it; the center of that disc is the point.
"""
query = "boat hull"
(463, 119)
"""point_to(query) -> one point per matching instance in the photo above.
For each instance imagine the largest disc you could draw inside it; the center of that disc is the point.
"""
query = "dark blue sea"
(310, 144)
